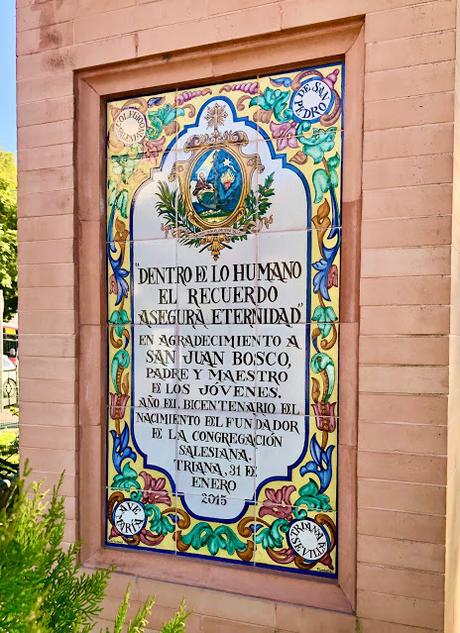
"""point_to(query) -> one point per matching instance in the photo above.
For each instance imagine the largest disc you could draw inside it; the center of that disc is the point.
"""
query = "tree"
(8, 221)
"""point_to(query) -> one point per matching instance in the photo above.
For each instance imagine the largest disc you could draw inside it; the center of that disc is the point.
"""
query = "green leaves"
(119, 318)
(42, 586)
(310, 496)
(170, 206)
(159, 524)
(124, 167)
(265, 192)
(320, 142)
(177, 623)
(140, 620)
(159, 119)
(325, 316)
(126, 480)
(323, 362)
(120, 361)
(256, 206)
(275, 100)
(223, 537)
(324, 179)
(272, 536)
(121, 203)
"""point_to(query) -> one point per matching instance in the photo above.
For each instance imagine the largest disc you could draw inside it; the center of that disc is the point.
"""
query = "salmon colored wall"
(408, 247)
(452, 585)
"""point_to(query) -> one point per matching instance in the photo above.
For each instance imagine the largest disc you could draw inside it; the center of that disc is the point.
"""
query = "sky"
(8, 75)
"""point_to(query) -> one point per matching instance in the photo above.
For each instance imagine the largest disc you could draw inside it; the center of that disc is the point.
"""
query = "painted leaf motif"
(322, 362)
(122, 203)
(332, 163)
(325, 316)
(126, 480)
(321, 184)
(120, 359)
(275, 100)
(123, 166)
(119, 318)
(198, 535)
(159, 523)
(112, 192)
(228, 540)
(272, 536)
(320, 142)
(310, 496)
(223, 537)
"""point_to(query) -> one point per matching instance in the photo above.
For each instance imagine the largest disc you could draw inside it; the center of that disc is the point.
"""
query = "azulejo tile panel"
(223, 273)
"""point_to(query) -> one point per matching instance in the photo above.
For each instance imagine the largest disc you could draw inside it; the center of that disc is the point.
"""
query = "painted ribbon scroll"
(223, 245)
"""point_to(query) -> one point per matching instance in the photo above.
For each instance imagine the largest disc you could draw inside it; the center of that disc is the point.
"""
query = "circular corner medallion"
(129, 517)
(308, 539)
(312, 100)
(130, 126)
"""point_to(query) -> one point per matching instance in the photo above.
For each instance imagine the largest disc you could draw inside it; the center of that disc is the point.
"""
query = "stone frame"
(343, 40)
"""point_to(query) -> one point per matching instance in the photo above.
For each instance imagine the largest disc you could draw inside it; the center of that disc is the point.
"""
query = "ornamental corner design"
(223, 270)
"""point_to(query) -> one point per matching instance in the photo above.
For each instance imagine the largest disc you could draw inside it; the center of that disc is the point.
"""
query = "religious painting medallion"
(223, 259)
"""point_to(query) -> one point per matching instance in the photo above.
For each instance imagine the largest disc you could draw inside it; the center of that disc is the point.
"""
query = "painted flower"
(113, 289)
(333, 276)
(153, 148)
(278, 502)
(154, 489)
(121, 449)
(321, 466)
(285, 134)
(325, 416)
(114, 532)
(118, 402)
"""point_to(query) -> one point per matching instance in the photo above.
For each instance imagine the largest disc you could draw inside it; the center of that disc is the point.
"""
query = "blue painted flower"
(321, 465)
(120, 449)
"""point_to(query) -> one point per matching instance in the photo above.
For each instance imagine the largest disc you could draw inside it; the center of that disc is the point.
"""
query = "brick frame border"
(93, 88)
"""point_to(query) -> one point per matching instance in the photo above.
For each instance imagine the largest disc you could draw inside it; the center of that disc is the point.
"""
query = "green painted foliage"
(159, 523)
(126, 480)
(273, 536)
(223, 537)
(275, 100)
(325, 179)
(119, 318)
(325, 316)
(310, 496)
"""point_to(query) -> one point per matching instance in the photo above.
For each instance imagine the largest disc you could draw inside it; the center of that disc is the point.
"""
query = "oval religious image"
(216, 185)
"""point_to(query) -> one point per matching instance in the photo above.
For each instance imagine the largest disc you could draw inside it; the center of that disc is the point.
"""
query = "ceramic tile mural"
(223, 240)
